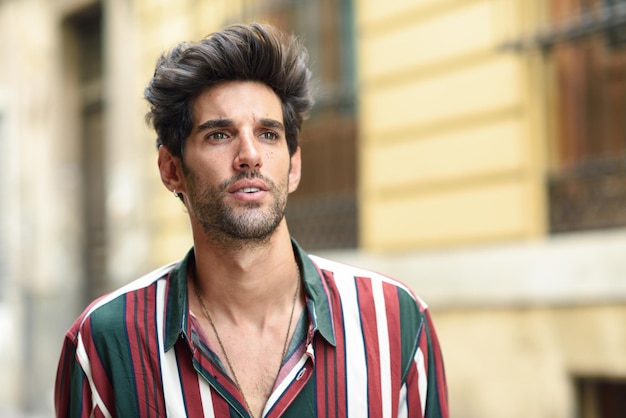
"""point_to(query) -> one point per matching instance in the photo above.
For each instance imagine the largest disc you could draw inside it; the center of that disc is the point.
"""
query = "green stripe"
(316, 293)
(433, 409)
(411, 320)
(108, 325)
(76, 389)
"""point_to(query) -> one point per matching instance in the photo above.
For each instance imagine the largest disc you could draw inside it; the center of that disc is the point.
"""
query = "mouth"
(247, 186)
(249, 190)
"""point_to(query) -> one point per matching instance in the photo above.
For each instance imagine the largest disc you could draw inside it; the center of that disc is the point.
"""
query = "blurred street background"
(473, 149)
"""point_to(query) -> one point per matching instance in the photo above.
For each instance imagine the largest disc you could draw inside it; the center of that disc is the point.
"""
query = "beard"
(249, 222)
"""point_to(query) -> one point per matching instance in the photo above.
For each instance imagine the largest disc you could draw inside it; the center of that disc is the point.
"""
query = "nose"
(248, 153)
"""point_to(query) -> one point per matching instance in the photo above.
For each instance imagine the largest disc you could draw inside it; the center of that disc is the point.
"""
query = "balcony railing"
(589, 196)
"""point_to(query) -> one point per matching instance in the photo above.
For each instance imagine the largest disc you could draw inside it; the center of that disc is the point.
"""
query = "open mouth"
(250, 189)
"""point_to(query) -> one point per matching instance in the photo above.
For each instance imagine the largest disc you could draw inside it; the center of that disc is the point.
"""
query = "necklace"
(221, 344)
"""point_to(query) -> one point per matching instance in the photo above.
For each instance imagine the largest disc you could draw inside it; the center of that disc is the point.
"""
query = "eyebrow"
(272, 123)
(214, 123)
(225, 122)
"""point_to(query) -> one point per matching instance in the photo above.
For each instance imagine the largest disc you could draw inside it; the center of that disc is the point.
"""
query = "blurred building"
(475, 149)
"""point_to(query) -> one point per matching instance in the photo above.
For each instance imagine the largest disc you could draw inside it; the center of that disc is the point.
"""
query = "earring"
(176, 195)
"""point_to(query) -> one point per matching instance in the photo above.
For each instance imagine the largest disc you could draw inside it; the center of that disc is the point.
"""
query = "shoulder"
(364, 292)
(110, 312)
(350, 278)
(378, 306)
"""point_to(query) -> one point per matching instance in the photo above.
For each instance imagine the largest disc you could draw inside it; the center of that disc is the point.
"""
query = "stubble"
(247, 223)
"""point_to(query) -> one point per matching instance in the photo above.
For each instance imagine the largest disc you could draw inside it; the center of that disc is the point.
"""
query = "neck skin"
(247, 283)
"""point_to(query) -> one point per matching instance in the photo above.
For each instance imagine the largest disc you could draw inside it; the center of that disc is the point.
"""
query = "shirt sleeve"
(72, 395)
(424, 393)
(82, 387)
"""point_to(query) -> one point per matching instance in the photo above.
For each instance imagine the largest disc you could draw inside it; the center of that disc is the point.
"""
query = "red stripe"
(414, 407)
(336, 355)
(369, 325)
(143, 345)
(189, 380)
(98, 373)
(321, 384)
(62, 381)
(332, 382)
(151, 346)
(392, 305)
(220, 406)
(132, 318)
(97, 413)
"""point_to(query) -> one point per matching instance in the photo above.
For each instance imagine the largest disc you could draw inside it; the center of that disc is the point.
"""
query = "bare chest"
(253, 363)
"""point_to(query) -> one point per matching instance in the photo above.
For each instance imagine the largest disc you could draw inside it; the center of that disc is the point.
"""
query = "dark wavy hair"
(255, 52)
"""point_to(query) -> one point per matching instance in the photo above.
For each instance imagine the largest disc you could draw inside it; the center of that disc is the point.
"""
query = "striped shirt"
(368, 349)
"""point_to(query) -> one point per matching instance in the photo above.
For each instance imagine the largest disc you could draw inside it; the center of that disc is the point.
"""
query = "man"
(247, 324)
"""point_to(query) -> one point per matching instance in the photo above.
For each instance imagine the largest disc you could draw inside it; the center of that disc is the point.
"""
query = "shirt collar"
(177, 303)
(318, 300)
(320, 310)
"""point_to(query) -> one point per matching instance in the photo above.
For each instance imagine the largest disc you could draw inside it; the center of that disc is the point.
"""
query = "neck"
(250, 282)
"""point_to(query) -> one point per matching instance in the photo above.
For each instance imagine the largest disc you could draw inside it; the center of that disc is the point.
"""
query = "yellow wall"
(517, 363)
(449, 145)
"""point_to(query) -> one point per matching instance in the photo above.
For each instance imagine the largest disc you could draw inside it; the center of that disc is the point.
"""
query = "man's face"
(237, 168)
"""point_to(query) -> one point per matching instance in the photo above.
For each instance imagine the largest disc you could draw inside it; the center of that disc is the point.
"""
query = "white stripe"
(377, 281)
(140, 283)
(383, 345)
(286, 382)
(356, 366)
(326, 264)
(207, 399)
(403, 409)
(172, 390)
(422, 381)
(81, 353)
(85, 364)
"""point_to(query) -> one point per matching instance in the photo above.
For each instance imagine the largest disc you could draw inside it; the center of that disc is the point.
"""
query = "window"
(600, 397)
(587, 186)
(322, 214)
(617, 31)
(85, 29)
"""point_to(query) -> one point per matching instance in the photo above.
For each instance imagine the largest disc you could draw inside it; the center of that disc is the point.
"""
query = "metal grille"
(589, 196)
(322, 214)
(324, 222)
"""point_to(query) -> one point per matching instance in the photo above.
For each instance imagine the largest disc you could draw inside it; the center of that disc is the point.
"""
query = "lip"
(238, 186)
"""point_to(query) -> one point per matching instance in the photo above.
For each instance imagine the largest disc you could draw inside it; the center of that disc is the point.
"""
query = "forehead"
(237, 100)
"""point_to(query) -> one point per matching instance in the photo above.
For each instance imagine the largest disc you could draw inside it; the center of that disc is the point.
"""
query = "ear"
(171, 170)
(295, 171)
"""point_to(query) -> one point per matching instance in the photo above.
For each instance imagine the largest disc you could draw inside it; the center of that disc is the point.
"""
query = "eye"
(269, 135)
(217, 136)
